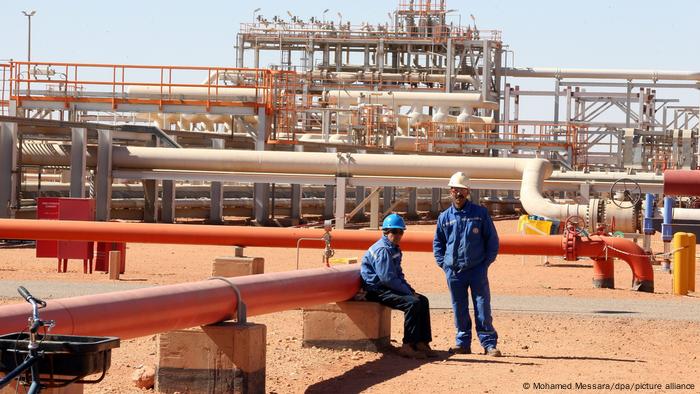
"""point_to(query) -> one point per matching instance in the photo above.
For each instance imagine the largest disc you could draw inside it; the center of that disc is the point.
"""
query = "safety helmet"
(393, 221)
(460, 180)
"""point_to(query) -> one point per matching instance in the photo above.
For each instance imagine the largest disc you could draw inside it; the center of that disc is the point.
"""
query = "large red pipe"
(594, 247)
(682, 183)
(140, 312)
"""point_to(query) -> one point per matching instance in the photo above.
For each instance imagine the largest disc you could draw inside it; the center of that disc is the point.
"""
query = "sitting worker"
(384, 282)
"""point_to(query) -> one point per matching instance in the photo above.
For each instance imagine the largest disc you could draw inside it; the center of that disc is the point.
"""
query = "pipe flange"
(569, 241)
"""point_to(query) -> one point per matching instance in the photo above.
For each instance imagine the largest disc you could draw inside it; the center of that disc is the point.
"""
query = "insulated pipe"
(431, 99)
(141, 312)
(682, 183)
(594, 247)
(533, 172)
(322, 163)
(654, 75)
(361, 76)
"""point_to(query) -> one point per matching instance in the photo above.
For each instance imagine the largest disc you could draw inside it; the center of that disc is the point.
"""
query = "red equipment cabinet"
(67, 209)
(102, 255)
(47, 209)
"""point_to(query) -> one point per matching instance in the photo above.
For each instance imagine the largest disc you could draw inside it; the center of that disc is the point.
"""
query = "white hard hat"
(459, 179)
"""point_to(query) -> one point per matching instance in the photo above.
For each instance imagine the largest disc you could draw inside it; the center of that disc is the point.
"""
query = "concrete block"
(351, 324)
(221, 358)
(230, 266)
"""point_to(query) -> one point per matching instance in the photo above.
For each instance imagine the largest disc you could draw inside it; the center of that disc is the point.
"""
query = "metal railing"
(4, 88)
(115, 84)
(282, 30)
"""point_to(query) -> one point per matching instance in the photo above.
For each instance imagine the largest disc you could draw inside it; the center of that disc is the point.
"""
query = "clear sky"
(636, 34)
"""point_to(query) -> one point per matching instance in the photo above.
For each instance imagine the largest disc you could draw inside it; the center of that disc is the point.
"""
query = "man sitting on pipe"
(465, 245)
(384, 282)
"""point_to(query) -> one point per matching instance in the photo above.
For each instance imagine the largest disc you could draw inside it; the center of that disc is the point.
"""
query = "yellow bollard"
(680, 258)
(691, 263)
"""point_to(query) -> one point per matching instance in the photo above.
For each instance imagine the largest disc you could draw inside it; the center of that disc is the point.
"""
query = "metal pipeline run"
(682, 183)
(653, 75)
(140, 312)
(532, 172)
(571, 246)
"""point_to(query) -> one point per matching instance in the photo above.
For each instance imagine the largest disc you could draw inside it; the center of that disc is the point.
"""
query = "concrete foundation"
(351, 324)
(229, 266)
(221, 358)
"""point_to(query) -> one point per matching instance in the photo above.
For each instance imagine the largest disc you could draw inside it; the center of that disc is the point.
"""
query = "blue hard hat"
(393, 221)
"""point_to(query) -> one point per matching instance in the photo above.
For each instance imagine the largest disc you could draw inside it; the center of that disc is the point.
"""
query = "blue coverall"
(465, 244)
(384, 282)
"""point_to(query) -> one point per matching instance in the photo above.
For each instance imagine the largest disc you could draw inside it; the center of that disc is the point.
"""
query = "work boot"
(408, 351)
(460, 350)
(493, 352)
(425, 348)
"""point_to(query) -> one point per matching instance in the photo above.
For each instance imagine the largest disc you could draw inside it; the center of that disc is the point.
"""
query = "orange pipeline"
(595, 247)
(141, 312)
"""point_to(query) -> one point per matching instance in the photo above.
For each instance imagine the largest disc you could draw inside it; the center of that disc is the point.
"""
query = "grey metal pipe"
(549, 72)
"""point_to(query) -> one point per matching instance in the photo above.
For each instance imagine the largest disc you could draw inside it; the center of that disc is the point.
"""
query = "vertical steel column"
(366, 60)
(78, 154)
(568, 104)
(628, 115)
(450, 69)
(8, 169)
(412, 209)
(556, 100)
(506, 109)
(103, 181)
(374, 212)
(216, 192)
(379, 57)
(256, 57)
(261, 208)
(150, 197)
(435, 197)
(168, 208)
(338, 56)
(296, 193)
(341, 184)
(168, 200)
(516, 107)
(486, 71)
(240, 54)
(641, 120)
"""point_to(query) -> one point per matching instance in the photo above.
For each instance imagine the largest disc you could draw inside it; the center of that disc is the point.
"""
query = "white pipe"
(532, 172)
(654, 75)
(390, 77)
(533, 176)
(433, 99)
(688, 214)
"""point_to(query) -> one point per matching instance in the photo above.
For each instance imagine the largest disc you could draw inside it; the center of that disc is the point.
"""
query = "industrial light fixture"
(29, 15)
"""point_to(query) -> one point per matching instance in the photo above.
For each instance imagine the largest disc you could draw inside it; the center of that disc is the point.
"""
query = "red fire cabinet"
(47, 209)
(102, 255)
(68, 209)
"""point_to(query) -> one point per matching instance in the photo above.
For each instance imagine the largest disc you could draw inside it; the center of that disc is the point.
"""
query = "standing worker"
(465, 245)
(384, 282)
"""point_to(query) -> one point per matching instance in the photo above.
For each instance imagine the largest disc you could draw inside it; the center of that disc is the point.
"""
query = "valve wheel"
(630, 190)
(576, 221)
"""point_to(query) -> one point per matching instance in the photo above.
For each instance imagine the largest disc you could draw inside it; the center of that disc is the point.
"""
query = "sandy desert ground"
(545, 349)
